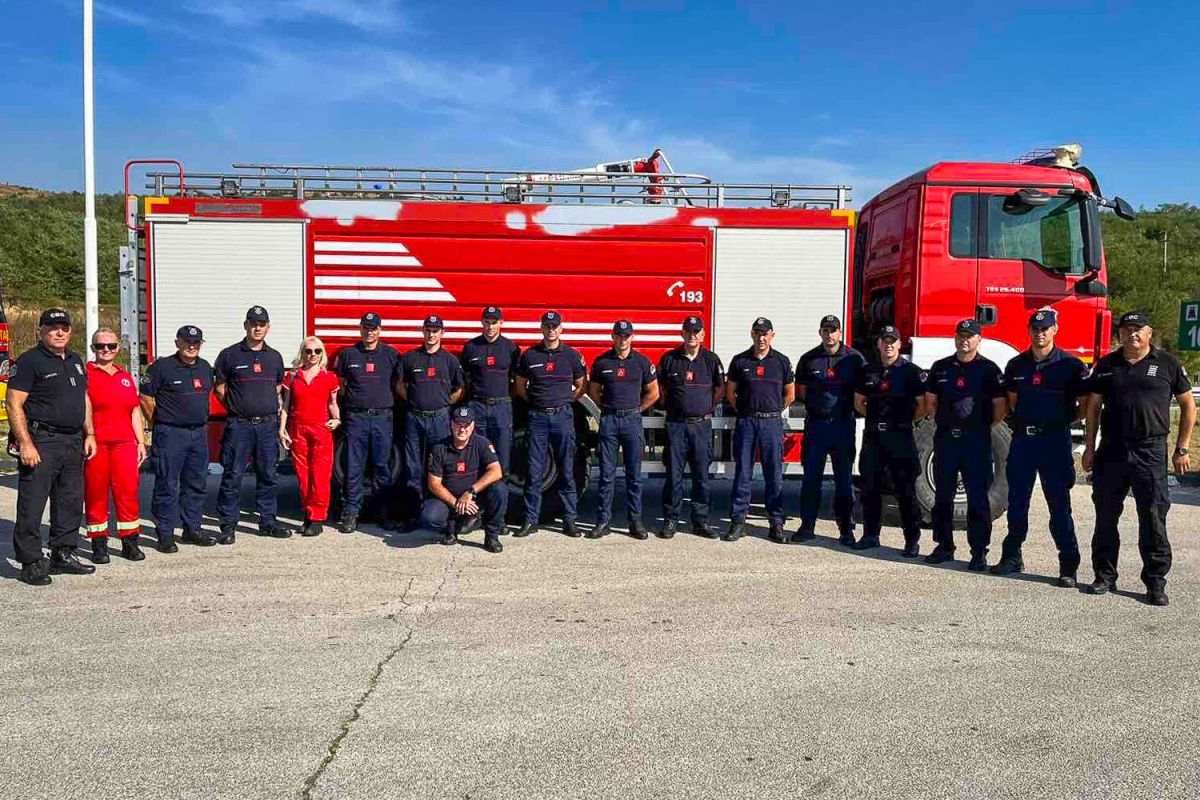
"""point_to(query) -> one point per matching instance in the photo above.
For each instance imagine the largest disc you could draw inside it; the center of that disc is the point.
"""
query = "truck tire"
(997, 491)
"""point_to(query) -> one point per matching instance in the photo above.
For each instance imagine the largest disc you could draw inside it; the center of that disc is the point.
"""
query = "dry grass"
(22, 326)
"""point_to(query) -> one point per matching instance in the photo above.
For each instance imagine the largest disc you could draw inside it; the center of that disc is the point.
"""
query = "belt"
(957, 433)
(194, 427)
(371, 412)
(690, 420)
(620, 412)
(437, 412)
(34, 425)
(257, 420)
(491, 401)
(884, 427)
(553, 410)
(1038, 430)
(765, 414)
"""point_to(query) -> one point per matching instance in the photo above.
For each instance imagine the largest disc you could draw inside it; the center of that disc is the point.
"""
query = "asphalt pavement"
(389, 666)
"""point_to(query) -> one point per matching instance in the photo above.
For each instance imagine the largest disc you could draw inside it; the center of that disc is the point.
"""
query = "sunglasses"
(105, 346)
(312, 351)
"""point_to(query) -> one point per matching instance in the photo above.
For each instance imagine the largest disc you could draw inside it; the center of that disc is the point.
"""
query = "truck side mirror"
(1031, 198)
(1123, 209)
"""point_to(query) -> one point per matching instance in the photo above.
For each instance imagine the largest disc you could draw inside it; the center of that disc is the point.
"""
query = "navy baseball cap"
(622, 327)
(493, 312)
(1043, 318)
(830, 321)
(190, 333)
(693, 324)
(762, 324)
(1135, 318)
(552, 318)
(968, 326)
(55, 316)
(433, 321)
(889, 332)
(370, 320)
(257, 314)
(463, 415)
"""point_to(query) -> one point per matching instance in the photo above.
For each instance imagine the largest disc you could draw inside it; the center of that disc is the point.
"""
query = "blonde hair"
(108, 331)
(311, 341)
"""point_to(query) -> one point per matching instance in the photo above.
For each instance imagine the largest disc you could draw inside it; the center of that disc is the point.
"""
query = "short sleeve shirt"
(891, 392)
(489, 367)
(622, 380)
(965, 391)
(760, 382)
(1137, 397)
(551, 374)
(430, 378)
(308, 400)
(688, 383)
(460, 468)
(57, 386)
(182, 392)
(368, 375)
(1046, 390)
(829, 381)
(251, 378)
(114, 397)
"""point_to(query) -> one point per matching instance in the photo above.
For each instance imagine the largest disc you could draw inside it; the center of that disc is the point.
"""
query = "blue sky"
(807, 92)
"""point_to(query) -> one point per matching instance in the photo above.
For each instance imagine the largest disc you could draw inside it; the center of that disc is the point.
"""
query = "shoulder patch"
(923, 375)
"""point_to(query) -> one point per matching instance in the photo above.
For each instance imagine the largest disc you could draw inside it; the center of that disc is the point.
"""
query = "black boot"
(704, 530)
(846, 538)
(805, 534)
(1100, 586)
(867, 543)
(348, 523)
(228, 535)
(571, 529)
(64, 562)
(638, 531)
(166, 543)
(130, 549)
(737, 529)
(36, 573)
(100, 550)
(312, 529)
(491, 543)
(1008, 565)
(978, 562)
(198, 538)
(777, 534)
(599, 532)
(668, 529)
(940, 555)
(528, 529)
(912, 547)
(1157, 596)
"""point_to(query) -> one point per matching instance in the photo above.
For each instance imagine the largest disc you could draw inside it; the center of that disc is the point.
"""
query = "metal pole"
(91, 283)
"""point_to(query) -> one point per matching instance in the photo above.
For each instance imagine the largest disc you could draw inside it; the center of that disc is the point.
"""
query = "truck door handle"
(986, 314)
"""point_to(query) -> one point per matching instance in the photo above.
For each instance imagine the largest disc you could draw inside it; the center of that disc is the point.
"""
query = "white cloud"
(365, 15)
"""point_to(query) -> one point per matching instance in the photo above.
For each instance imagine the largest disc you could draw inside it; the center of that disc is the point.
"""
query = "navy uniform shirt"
(829, 381)
(430, 378)
(1046, 390)
(368, 376)
(965, 391)
(551, 374)
(621, 380)
(1137, 397)
(460, 468)
(891, 392)
(180, 391)
(251, 378)
(490, 366)
(760, 382)
(688, 383)
(57, 386)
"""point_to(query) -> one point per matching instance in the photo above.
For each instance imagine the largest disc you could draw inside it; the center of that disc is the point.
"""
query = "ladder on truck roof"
(632, 181)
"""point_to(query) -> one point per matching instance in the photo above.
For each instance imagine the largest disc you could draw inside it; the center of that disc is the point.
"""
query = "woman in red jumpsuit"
(310, 415)
(120, 450)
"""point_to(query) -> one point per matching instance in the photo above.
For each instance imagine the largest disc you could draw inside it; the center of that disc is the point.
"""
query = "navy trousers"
(550, 434)
(495, 422)
(421, 431)
(765, 434)
(828, 438)
(624, 432)
(180, 459)
(240, 441)
(368, 443)
(1047, 456)
(436, 515)
(689, 444)
(968, 455)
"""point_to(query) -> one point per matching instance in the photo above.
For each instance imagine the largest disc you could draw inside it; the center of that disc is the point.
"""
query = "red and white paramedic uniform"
(115, 465)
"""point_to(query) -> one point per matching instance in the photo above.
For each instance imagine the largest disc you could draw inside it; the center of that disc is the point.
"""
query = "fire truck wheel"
(997, 492)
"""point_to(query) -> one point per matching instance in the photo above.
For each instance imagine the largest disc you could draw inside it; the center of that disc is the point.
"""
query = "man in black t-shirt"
(1130, 395)
(465, 480)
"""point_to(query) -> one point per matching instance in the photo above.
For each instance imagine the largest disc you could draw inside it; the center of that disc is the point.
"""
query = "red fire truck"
(320, 245)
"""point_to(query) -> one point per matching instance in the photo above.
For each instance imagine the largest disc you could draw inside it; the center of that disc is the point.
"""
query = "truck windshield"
(1051, 235)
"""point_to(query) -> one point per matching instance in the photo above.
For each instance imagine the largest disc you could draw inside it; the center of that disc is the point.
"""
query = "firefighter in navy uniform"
(1044, 385)
(691, 382)
(1130, 395)
(891, 395)
(249, 380)
(431, 380)
(825, 381)
(465, 479)
(489, 363)
(965, 396)
(175, 395)
(623, 384)
(551, 376)
(760, 386)
(50, 419)
(369, 372)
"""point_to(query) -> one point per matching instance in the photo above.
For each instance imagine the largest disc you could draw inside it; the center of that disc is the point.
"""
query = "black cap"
(968, 326)
(462, 415)
(1135, 318)
(762, 324)
(693, 324)
(552, 318)
(493, 312)
(190, 333)
(830, 321)
(1043, 318)
(370, 320)
(433, 321)
(257, 314)
(622, 327)
(55, 316)
(889, 332)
